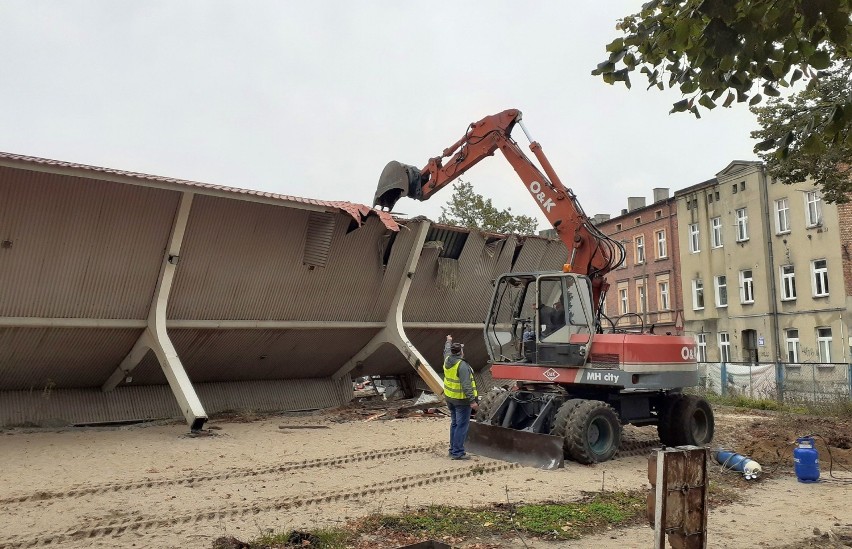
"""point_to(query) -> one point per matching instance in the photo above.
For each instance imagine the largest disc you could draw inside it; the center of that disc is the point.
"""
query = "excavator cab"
(540, 318)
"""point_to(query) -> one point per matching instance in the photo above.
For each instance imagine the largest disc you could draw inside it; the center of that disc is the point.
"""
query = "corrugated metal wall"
(91, 249)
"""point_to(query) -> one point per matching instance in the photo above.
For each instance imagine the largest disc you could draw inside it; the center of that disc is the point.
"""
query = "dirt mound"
(771, 441)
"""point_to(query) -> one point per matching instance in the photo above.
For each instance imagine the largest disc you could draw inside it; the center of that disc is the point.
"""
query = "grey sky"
(313, 98)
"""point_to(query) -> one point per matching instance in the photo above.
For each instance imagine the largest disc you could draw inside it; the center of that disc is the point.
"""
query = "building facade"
(765, 269)
(645, 291)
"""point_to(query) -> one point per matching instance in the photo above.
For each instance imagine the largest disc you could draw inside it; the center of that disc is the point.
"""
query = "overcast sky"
(312, 99)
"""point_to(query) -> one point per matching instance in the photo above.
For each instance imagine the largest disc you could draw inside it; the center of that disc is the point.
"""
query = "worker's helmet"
(457, 348)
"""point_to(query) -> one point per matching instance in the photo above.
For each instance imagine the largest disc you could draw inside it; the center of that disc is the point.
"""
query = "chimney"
(624, 211)
(660, 194)
(597, 219)
(635, 202)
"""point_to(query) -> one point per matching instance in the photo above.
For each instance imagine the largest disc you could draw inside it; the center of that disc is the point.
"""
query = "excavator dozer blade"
(523, 447)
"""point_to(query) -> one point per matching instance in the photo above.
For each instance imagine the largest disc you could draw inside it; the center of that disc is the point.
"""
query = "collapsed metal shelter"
(126, 296)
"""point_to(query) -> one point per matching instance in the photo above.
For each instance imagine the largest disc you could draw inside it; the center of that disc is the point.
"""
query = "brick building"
(646, 290)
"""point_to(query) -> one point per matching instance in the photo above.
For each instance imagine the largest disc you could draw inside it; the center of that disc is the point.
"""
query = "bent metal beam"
(156, 338)
(394, 329)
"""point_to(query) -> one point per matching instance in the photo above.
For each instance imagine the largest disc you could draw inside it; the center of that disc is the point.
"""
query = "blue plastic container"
(806, 460)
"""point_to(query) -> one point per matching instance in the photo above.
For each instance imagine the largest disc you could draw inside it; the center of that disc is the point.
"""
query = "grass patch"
(549, 521)
(831, 407)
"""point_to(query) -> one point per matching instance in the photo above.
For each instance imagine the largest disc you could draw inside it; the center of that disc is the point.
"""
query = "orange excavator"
(575, 377)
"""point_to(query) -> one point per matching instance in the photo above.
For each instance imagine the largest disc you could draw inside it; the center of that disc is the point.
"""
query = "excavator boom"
(590, 252)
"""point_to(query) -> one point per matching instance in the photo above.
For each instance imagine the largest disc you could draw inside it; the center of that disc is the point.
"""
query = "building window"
(641, 298)
(824, 345)
(716, 232)
(721, 284)
(734, 189)
(746, 286)
(622, 301)
(664, 295)
(742, 185)
(618, 226)
(724, 347)
(658, 214)
(819, 269)
(697, 294)
(693, 238)
(662, 248)
(638, 220)
(640, 250)
(709, 198)
(701, 349)
(788, 283)
(742, 224)
(782, 216)
(813, 209)
(792, 337)
(717, 195)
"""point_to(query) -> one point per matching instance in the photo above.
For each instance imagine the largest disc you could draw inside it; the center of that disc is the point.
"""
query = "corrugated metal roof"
(358, 211)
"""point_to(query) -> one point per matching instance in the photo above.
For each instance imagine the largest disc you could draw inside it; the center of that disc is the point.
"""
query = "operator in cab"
(460, 394)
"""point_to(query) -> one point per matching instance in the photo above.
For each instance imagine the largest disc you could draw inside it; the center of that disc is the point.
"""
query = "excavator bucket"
(523, 447)
(397, 180)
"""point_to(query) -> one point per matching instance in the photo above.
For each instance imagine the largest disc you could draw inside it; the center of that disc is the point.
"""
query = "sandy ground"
(154, 486)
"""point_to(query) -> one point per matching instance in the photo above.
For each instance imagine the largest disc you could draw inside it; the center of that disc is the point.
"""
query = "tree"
(742, 50)
(469, 209)
(830, 165)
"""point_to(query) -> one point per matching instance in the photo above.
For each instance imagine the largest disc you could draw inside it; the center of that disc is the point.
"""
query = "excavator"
(571, 378)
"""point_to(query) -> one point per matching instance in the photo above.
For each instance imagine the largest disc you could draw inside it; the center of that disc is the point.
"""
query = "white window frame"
(640, 249)
(742, 224)
(662, 245)
(813, 209)
(791, 335)
(663, 295)
(788, 283)
(782, 216)
(697, 291)
(724, 348)
(694, 243)
(623, 301)
(747, 286)
(819, 278)
(720, 287)
(641, 298)
(824, 344)
(716, 240)
(701, 347)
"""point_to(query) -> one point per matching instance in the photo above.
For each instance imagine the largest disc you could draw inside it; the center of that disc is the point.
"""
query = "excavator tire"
(693, 422)
(667, 418)
(560, 420)
(490, 402)
(593, 432)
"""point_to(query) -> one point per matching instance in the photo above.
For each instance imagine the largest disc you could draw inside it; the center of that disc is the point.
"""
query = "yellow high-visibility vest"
(452, 384)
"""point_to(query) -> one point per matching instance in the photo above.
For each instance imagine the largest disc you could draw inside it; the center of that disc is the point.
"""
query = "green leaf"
(680, 106)
(770, 91)
(706, 102)
(765, 145)
(615, 45)
(820, 60)
(755, 100)
(729, 99)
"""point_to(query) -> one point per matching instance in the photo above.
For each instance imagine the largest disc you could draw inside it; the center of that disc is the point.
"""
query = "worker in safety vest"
(460, 394)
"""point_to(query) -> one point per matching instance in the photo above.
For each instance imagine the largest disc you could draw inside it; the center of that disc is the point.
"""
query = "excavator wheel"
(559, 426)
(490, 402)
(592, 431)
(666, 418)
(692, 422)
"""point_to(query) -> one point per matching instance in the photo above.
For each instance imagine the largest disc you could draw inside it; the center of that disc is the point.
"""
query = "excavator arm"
(590, 252)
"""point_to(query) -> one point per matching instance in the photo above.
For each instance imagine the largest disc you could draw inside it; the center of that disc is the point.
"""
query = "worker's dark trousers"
(459, 424)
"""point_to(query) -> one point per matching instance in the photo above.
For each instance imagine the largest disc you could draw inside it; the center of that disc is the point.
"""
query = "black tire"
(592, 433)
(559, 427)
(490, 402)
(666, 416)
(693, 423)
